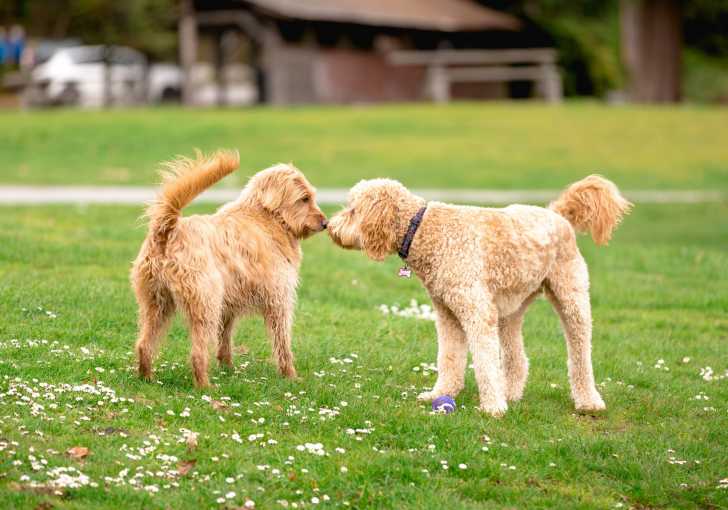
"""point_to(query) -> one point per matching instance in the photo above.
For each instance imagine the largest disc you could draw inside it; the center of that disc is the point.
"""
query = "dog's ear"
(270, 188)
(378, 229)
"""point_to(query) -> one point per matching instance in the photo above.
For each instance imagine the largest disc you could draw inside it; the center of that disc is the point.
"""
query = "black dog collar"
(411, 231)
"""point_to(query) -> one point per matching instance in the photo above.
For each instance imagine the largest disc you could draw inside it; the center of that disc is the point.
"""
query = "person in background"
(16, 45)
(3, 46)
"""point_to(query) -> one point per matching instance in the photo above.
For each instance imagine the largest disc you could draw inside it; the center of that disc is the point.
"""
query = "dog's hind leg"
(568, 290)
(201, 301)
(224, 349)
(155, 311)
(278, 320)
(515, 362)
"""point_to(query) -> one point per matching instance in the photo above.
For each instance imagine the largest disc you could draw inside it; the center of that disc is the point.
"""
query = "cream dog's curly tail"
(182, 180)
(594, 205)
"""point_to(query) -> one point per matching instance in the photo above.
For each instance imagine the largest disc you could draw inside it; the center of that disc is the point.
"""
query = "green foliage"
(148, 25)
(705, 23)
(705, 78)
(588, 53)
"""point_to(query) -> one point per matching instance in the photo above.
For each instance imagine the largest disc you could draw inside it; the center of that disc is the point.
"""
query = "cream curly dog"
(482, 268)
(242, 259)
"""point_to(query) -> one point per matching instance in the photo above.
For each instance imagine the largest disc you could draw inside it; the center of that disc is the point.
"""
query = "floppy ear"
(269, 189)
(378, 231)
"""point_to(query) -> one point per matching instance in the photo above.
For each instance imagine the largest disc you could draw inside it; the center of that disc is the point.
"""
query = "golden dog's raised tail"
(593, 205)
(182, 180)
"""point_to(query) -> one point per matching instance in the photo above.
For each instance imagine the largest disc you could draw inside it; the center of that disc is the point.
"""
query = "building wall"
(349, 76)
(298, 74)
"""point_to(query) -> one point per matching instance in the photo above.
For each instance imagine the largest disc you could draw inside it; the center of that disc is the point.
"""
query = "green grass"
(659, 292)
(527, 145)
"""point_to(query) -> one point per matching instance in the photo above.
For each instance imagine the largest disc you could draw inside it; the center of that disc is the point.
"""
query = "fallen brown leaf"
(78, 452)
(191, 442)
(184, 467)
(217, 405)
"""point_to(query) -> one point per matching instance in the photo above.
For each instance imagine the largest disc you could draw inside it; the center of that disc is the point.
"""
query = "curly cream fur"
(482, 268)
(214, 268)
(593, 205)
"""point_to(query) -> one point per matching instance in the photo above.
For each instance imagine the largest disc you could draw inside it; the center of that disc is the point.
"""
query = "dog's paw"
(590, 402)
(226, 364)
(496, 410)
(289, 373)
(591, 406)
(514, 394)
(428, 396)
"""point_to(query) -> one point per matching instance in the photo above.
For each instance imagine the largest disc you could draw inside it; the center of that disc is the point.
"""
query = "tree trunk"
(187, 47)
(652, 49)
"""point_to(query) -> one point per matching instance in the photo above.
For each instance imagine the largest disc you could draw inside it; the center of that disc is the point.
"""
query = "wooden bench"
(445, 67)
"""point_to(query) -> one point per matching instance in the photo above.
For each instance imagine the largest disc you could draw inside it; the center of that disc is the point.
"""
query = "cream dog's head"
(368, 222)
(283, 191)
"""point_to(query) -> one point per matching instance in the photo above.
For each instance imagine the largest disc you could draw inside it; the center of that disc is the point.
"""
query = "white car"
(77, 76)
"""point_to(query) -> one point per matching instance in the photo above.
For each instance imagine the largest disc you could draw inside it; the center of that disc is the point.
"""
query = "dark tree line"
(604, 44)
(650, 36)
(148, 25)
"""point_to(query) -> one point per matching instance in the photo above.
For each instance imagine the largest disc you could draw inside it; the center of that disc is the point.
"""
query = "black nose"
(324, 223)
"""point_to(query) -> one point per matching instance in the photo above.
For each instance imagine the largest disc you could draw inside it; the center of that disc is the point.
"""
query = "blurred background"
(104, 53)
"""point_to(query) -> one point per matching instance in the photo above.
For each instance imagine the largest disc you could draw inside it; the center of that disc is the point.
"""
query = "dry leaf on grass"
(191, 441)
(184, 467)
(218, 405)
(78, 452)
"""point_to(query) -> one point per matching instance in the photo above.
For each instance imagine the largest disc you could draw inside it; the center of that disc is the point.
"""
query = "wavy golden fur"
(182, 180)
(242, 259)
(482, 268)
(593, 205)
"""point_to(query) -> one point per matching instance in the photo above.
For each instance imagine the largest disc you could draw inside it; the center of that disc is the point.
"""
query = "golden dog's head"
(369, 220)
(283, 191)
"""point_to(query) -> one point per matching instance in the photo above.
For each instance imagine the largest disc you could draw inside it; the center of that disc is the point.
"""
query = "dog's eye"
(305, 200)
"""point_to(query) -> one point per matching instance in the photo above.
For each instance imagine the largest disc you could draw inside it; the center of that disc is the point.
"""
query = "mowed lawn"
(527, 145)
(349, 432)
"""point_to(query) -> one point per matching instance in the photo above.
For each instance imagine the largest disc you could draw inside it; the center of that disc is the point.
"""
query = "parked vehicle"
(93, 76)
(90, 76)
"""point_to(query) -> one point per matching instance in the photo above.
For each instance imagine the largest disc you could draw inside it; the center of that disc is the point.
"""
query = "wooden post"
(220, 63)
(187, 34)
(550, 83)
(651, 41)
(439, 83)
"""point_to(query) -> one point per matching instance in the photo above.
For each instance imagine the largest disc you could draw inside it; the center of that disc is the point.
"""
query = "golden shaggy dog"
(242, 259)
(482, 268)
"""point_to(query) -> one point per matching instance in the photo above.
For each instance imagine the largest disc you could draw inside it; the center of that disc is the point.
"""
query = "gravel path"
(41, 195)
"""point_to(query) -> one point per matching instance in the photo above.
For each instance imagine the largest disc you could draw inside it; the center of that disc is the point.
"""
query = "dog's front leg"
(279, 321)
(452, 355)
(478, 316)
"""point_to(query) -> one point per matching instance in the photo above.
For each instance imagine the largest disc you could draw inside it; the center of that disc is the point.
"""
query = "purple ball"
(444, 404)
